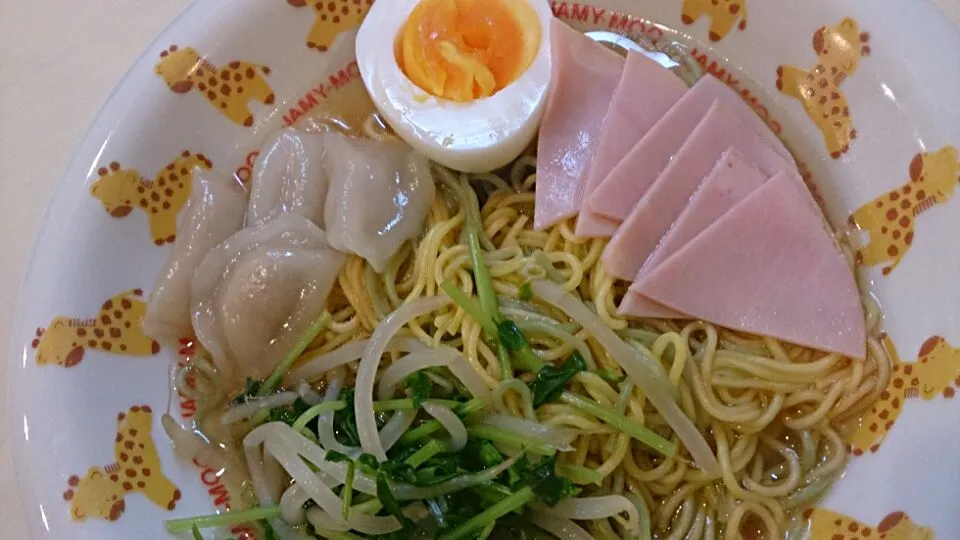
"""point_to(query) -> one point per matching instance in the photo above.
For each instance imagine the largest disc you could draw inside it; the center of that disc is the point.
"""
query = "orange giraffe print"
(333, 17)
(120, 190)
(829, 525)
(228, 89)
(724, 15)
(100, 494)
(890, 219)
(839, 49)
(935, 372)
(116, 329)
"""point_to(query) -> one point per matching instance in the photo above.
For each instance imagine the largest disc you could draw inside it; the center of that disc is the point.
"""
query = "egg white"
(476, 136)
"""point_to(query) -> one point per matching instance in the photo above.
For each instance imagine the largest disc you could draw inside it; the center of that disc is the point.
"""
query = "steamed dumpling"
(214, 212)
(289, 177)
(257, 294)
(380, 193)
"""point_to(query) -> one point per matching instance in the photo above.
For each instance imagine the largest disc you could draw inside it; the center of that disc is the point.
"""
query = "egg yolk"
(463, 50)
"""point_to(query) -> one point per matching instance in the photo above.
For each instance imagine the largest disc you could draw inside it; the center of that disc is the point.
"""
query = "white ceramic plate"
(81, 402)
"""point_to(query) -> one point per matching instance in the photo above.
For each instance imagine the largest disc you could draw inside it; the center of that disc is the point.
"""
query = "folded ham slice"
(769, 267)
(721, 129)
(728, 183)
(585, 74)
(633, 176)
(645, 93)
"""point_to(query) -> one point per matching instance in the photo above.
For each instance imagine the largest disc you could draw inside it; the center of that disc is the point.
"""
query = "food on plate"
(640, 327)
(464, 82)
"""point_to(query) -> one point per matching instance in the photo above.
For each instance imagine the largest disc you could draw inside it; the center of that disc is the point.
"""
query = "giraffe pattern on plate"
(934, 373)
(332, 18)
(228, 89)
(161, 199)
(136, 469)
(891, 218)
(116, 329)
(839, 50)
(724, 15)
(829, 525)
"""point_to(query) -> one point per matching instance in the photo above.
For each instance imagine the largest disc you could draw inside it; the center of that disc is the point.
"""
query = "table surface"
(58, 62)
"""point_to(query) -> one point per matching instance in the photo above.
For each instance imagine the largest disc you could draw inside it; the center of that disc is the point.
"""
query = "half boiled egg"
(462, 81)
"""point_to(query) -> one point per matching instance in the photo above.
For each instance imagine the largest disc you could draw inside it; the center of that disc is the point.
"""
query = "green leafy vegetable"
(526, 292)
(503, 436)
(336, 457)
(347, 493)
(470, 308)
(621, 422)
(196, 533)
(490, 515)
(271, 383)
(389, 501)
(225, 519)
(288, 414)
(550, 487)
(368, 462)
(345, 420)
(611, 376)
(249, 391)
(548, 386)
(516, 343)
(420, 387)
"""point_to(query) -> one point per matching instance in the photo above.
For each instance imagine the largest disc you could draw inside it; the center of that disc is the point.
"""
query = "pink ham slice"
(767, 267)
(633, 176)
(728, 183)
(645, 93)
(721, 128)
(585, 74)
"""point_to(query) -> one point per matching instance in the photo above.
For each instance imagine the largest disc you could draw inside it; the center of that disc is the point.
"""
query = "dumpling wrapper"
(289, 177)
(214, 212)
(379, 197)
(256, 295)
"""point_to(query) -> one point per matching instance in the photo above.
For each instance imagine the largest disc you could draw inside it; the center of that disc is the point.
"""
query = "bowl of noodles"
(466, 269)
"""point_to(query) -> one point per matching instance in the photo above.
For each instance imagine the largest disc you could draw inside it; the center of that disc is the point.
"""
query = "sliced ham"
(728, 183)
(585, 75)
(768, 267)
(722, 128)
(633, 176)
(645, 93)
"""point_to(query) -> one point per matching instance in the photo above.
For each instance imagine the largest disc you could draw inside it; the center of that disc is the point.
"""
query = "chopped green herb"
(548, 386)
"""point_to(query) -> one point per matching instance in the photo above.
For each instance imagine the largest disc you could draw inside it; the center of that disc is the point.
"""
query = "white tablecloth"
(59, 59)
